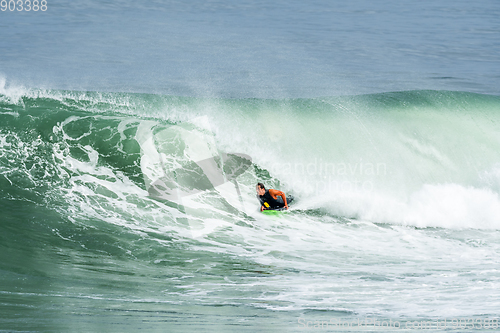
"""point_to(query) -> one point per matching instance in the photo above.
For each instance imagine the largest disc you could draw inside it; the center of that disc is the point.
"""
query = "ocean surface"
(132, 136)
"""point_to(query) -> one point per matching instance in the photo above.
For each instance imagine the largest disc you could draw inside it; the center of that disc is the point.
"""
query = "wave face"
(421, 158)
(76, 171)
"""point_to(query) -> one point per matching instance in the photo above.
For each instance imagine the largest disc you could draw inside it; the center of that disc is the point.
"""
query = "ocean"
(132, 136)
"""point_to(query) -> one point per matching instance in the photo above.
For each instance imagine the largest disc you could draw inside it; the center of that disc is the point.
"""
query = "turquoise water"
(132, 137)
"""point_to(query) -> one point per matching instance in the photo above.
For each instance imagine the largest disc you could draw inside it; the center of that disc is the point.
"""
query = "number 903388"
(23, 5)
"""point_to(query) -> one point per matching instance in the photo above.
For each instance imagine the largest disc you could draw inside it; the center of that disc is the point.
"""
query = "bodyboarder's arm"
(276, 193)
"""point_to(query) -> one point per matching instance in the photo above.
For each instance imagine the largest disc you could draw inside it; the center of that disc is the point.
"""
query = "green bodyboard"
(274, 212)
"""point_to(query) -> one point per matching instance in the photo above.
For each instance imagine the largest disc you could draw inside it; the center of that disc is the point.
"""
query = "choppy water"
(397, 193)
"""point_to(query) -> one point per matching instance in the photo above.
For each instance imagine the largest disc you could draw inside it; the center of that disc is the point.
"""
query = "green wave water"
(392, 145)
(382, 183)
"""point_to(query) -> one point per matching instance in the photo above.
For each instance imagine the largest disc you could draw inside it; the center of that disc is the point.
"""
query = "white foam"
(451, 206)
(11, 93)
(454, 206)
